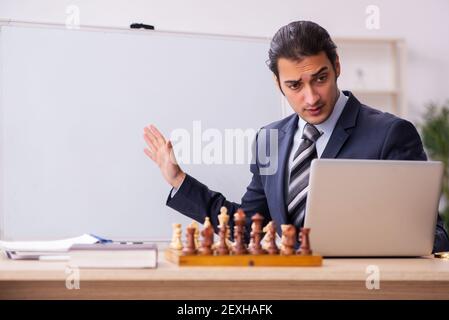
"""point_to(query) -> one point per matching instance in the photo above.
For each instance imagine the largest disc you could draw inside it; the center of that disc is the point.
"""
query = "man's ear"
(337, 67)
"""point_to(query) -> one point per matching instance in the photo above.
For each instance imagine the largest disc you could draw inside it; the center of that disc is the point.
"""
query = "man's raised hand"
(161, 152)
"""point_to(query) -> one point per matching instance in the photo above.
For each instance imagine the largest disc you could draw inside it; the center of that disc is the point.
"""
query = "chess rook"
(189, 248)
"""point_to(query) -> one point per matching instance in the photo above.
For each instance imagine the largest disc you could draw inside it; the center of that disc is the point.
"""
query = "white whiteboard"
(73, 107)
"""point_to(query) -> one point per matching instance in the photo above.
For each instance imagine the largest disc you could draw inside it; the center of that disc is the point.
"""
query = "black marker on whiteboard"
(141, 26)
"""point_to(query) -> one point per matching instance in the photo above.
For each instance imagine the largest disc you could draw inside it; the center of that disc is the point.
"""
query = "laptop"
(373, 208)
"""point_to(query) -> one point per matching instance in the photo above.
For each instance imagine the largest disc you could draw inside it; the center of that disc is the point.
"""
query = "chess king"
(327, 123)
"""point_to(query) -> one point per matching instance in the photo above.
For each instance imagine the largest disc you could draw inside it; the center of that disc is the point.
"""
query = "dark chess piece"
(288, 239)
(251, 239)
(207, 241)
(189, 248)
(239, 232)
(270, 238)
(256, 232)
(304, 249)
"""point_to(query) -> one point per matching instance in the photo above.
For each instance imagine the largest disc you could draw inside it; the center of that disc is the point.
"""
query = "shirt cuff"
(174, 190)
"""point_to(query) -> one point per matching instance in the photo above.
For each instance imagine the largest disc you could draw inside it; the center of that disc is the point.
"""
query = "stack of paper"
(46, 250)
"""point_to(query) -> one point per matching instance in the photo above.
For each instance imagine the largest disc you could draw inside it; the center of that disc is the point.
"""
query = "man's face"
(310, 86)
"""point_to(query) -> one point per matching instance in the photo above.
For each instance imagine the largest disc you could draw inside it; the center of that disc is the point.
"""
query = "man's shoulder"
(359, 114)
(396, 138)
(280, 124)
(372, 117)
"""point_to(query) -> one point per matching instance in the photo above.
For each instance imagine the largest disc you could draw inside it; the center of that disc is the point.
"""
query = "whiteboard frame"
(145, 32)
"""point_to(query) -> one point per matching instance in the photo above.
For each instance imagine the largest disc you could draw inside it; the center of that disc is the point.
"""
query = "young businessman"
(327, 123)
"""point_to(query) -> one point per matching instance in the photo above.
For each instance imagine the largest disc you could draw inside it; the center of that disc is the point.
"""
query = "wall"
(423, 24)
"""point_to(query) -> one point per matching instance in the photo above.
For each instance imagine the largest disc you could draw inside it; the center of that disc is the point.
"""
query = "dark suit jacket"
(361, 132)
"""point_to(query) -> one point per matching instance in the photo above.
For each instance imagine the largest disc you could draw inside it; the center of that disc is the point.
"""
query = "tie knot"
(310, 132)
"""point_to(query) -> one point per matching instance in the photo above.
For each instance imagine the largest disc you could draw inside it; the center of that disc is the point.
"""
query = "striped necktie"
(299, 175)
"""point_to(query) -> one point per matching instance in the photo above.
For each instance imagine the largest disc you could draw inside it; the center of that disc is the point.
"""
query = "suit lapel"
(336, 141)
(285, 138)
(346, 121)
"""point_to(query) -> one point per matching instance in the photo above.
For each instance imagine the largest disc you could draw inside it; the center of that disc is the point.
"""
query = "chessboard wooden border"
(177, 257)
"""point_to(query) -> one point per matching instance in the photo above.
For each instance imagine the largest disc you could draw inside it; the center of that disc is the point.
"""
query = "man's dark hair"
(297, 40)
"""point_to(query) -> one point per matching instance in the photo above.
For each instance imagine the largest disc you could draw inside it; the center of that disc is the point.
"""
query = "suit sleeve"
(195, 200)
(404, 143)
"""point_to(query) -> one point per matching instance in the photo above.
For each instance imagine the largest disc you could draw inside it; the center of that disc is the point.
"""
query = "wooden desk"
(423, 278)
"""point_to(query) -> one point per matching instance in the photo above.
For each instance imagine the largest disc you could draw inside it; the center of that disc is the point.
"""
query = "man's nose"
(310, 96)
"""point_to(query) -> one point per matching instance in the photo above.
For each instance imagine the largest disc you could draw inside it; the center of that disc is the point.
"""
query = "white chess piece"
(176, 242)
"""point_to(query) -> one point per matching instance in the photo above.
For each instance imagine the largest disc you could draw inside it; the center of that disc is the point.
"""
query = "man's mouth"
(314, 111)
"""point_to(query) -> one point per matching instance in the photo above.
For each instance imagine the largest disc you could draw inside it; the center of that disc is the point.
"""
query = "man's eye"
(294, 86)
(322, 78)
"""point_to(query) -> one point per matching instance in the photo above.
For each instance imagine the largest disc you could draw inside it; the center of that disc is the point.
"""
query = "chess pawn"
(304, 249)
(176, 242)
(189, 248)
(270, 239)
(207, 223)
(207, 240)
(256, 234)
(239, 232)
(223, 217)
(288, 239)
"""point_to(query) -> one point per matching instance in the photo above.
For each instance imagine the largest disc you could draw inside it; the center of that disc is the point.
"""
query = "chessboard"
(238, 253)
(177, 257)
